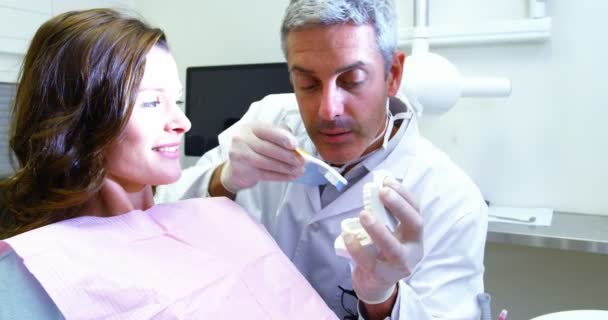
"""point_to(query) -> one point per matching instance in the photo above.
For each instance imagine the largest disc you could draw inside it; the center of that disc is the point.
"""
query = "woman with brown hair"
(96, 125)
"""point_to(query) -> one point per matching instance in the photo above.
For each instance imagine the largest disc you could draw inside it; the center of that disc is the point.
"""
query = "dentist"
(346, 73)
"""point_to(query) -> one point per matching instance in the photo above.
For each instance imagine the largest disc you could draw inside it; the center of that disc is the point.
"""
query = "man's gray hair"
(380, 14)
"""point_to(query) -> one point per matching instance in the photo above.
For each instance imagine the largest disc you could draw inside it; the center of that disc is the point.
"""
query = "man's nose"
(332, 102)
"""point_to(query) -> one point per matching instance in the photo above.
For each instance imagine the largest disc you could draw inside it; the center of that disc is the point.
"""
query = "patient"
(95, 126)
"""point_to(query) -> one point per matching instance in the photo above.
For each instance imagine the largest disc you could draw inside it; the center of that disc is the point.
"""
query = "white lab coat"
(443, 285)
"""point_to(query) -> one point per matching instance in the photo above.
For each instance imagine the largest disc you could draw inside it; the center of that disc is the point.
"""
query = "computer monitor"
(218, 96)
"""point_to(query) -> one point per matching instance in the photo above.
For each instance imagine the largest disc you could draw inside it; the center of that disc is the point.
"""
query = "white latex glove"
(376, 275)
(261, 152)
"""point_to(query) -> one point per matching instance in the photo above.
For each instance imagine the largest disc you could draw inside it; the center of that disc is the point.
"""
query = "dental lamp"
(432, 83)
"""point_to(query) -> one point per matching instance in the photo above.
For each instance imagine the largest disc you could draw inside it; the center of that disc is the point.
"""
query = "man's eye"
(304, 83)
(350, 85)
(307, 85)
(352, 79)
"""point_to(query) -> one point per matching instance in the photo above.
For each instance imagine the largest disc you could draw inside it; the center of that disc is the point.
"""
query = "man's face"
(341, 87)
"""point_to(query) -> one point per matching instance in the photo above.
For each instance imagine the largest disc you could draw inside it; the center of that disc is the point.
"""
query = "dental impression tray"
(371, 203)
(371, 198)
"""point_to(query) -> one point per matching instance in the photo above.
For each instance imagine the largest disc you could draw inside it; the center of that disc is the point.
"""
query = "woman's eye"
(151, 104)
(179, 102)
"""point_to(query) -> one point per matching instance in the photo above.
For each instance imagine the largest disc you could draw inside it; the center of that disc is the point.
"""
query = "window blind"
(7, 93)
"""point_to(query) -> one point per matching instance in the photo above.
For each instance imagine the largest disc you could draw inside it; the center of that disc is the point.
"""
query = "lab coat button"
(315, 226)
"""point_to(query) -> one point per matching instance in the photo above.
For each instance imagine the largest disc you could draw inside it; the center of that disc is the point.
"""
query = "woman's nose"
(179, 123)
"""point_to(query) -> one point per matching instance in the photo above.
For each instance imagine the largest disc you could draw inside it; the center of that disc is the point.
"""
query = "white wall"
(18, 23)
(546, 144)
(211, 32)
(19, 20)
(68, 5)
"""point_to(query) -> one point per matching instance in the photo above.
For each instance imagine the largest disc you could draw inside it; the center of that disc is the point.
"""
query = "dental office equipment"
(503, 315)
(519, 215)
(431, 82)
(484, 300)
(316, 171)
(530, 219)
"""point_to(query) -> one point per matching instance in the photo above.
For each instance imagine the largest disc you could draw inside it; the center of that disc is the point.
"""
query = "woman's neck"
(112, 200)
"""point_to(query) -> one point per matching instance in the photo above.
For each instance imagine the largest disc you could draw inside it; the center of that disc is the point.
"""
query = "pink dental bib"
(194, 259)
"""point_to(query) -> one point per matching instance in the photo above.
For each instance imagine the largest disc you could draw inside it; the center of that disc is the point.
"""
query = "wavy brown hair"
(77, 88)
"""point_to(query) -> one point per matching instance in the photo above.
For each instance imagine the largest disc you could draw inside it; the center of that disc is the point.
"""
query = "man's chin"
(337, 158)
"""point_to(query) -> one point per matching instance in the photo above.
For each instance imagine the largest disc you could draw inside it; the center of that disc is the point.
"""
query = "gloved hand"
(376, 275)
(261, 152)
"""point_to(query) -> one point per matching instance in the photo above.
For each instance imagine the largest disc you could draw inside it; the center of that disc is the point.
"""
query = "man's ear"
(395, 73)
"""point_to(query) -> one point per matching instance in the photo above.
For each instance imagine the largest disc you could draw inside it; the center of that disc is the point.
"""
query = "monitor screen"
(218, 96)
